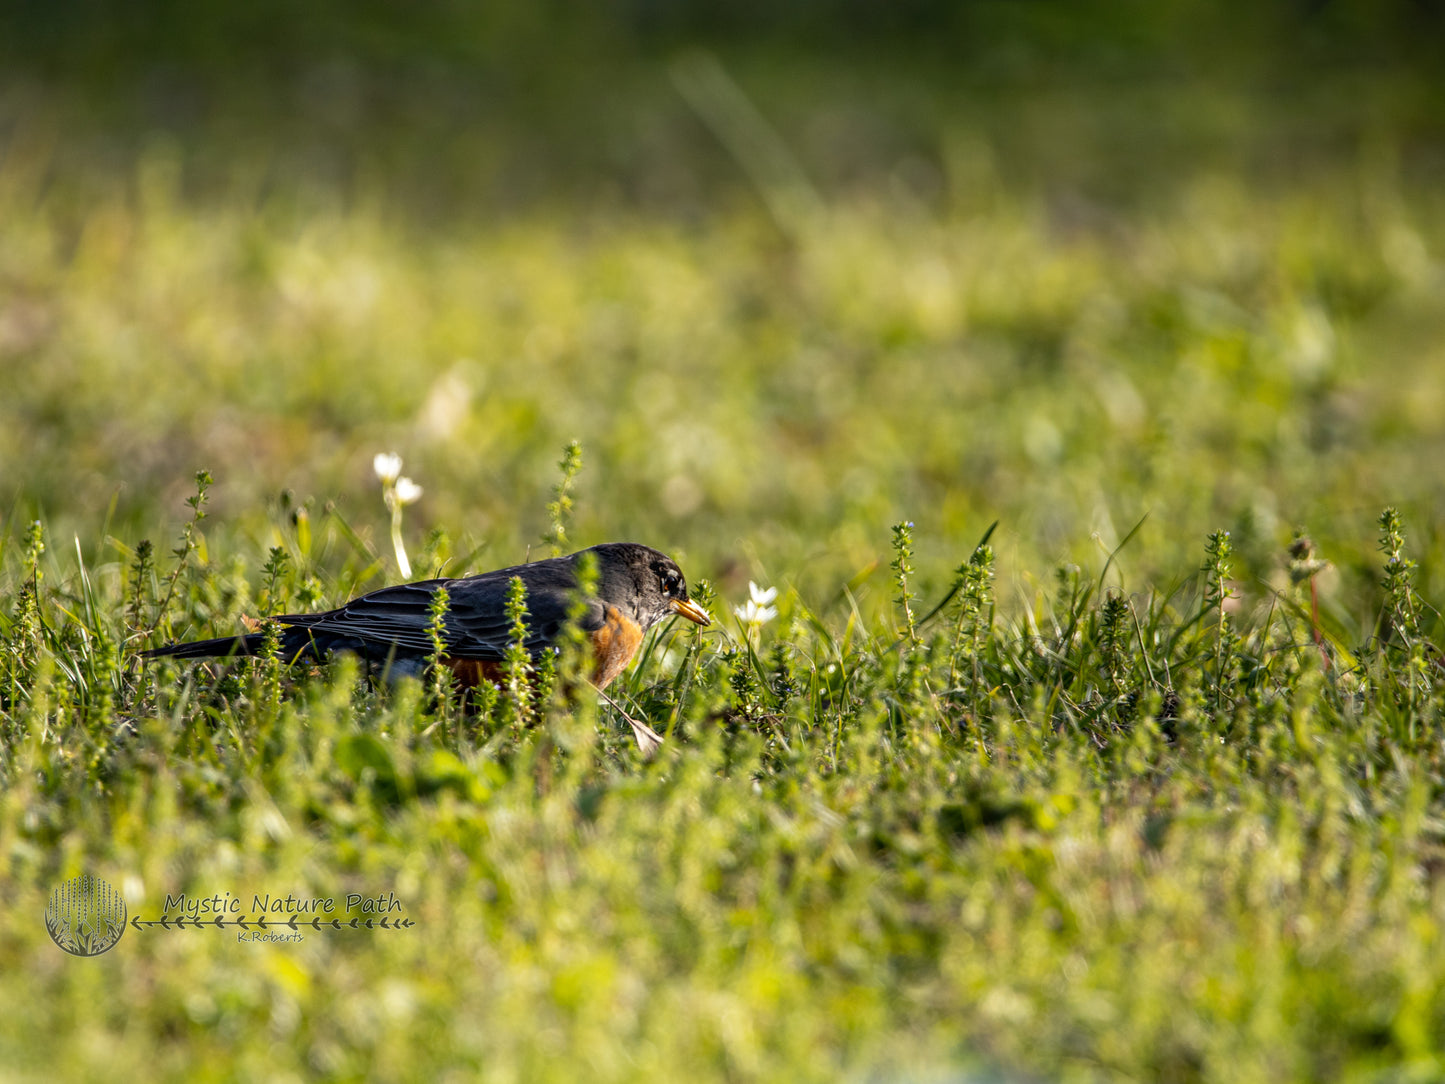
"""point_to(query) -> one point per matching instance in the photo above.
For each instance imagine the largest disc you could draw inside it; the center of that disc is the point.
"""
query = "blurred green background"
(791, 272)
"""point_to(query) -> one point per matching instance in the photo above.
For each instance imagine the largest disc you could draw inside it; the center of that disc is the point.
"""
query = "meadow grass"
(1141, 782)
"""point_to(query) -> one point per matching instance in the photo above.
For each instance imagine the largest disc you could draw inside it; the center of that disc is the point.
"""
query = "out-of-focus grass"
(952, 342)
(1105, 820)
(1111, 836)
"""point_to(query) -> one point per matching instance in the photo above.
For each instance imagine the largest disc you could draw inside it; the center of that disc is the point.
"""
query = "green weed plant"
(1142, 782)
(1107, 836)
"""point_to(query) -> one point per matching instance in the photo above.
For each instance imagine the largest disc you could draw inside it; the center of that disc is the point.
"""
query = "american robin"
(636, 588)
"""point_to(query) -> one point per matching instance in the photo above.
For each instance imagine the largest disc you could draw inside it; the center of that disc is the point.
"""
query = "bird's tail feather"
(245, 644)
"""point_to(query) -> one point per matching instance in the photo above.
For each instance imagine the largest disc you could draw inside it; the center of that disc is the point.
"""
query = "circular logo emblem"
(85, 916)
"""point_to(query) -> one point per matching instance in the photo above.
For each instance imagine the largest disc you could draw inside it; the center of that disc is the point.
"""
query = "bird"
(636, 587)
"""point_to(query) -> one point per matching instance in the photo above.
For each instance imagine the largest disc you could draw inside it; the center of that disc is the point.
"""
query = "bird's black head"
(645, 584)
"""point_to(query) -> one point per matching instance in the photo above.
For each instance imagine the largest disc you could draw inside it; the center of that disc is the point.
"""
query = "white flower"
(397, 492)
(387, 466)
(754, 615)
(407, 491)
(756, 612)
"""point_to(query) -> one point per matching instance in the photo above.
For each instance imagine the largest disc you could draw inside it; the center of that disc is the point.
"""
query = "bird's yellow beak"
(690, 610)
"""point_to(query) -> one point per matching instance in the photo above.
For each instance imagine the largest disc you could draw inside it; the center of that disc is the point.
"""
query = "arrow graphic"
(246, 922)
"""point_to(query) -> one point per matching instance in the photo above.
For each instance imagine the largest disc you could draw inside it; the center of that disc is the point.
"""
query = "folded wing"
(397, 620)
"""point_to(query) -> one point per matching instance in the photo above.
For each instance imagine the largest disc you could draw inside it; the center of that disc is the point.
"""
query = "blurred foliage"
(104, 37)
(950, 337)
(1149, 788)
(1109, 836)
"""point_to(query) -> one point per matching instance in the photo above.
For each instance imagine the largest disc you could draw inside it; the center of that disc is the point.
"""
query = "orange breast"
(613, 646)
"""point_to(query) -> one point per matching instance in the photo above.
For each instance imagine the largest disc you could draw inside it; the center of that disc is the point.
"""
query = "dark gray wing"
(477, 618)
(397, 619)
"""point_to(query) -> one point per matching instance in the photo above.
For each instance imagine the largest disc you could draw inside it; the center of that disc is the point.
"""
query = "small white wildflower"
(387, 466)
(750, 613)
(755, 613)
(397, 492)
(407, 491)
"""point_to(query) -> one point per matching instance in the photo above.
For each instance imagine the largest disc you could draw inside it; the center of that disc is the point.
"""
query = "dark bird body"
(636, 588)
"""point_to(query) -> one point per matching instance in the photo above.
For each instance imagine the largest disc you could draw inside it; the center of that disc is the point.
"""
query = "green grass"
(1147, 787)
